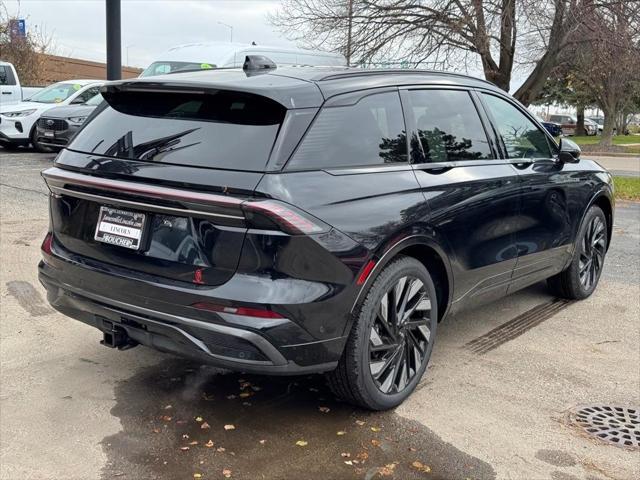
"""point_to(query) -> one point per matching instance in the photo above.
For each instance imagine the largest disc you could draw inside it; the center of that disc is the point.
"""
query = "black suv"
(296, 220)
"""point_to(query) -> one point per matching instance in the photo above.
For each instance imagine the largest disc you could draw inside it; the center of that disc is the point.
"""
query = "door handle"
(7, 93)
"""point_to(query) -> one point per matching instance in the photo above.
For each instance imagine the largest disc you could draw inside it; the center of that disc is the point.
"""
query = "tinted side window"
(521, 137)
(368, 133)
(448, 126)
(89, 93)
(6, 76)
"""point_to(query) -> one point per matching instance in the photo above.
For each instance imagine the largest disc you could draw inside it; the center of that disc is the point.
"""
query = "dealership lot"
(493, 406)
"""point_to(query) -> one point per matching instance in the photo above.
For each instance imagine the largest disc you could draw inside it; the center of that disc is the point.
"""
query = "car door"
(553, 193)
(9, 89)
(471, 191)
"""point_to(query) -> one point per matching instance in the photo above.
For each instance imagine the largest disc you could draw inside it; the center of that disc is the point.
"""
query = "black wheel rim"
(592, 253)
(400, 336)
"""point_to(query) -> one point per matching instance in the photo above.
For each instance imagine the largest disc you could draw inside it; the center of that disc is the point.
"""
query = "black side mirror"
(569, 151)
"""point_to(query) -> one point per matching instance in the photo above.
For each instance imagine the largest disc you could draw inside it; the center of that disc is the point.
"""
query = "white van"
(232, 55)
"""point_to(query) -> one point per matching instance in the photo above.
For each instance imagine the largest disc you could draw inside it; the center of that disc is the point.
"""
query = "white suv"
(17, 121)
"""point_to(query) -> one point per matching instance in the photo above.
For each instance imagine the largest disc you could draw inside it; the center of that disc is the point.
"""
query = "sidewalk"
(620, 166)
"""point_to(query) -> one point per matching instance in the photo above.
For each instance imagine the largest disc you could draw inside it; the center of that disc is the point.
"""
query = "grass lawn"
(627, 188)
(620, 140)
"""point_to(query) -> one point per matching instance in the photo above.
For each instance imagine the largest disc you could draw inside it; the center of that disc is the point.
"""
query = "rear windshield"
(219, 129)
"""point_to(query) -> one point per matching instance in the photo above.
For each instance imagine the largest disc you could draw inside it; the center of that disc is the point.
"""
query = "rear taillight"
(265, 214)
(244, 311)
(46, 243)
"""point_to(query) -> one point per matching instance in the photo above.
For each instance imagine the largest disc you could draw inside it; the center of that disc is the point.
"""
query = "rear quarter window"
(221, 129)
(371, 132)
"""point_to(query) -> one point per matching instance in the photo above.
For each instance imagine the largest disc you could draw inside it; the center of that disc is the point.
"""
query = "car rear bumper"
(258, 345)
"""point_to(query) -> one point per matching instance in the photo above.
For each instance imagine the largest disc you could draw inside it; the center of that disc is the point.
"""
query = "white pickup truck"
(10, 89)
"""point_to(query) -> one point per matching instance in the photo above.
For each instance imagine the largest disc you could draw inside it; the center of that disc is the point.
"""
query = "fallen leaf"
(221, 449)
(168, 407)
(205, 425)
(226, 472)
(411, 449)
(387, 470)
(375, 429)
(209, 444)
(375, 443)
(302, 443)
(360, 422)
(229, 427)
(362, 456)
(341, 432)
(244, 385)
(156, 430)
(197, 475)
(199, 419)
(262, 442)
(185, 436)
(324, 409)
(166, 418)
(345, 455)
(195, 442)
(184, 449)
(246, 394)
(348, 462)
(421, 466)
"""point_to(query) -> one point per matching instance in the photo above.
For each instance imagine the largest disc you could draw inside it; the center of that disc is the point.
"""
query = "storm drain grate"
(612, 424)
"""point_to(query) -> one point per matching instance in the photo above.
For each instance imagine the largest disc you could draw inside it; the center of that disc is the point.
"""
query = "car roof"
(82, 81)
(301, 87)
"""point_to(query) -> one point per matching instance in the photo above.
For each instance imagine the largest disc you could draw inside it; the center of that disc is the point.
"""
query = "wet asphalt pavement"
(174, 415)
(492, 405)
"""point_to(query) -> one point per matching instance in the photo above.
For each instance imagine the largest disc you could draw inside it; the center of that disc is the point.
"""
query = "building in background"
(57, 69)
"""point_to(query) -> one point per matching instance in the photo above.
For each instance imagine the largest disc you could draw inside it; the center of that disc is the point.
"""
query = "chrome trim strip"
(139, 205)
(155, 191)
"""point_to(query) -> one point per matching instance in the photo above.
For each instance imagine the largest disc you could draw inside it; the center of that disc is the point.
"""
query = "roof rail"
(356, 72)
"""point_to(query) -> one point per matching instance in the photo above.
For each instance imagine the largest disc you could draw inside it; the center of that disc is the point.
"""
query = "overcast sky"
(149, 27)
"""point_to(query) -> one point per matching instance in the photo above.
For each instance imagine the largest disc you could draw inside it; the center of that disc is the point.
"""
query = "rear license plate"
(49, 134)
(120, 227)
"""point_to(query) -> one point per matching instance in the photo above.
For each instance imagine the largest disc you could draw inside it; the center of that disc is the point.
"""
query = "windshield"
(161, 68)
(95, 100)
(56, 93)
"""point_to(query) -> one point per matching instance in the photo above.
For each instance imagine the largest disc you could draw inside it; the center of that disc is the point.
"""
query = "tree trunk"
(607, 129)
(580, 130)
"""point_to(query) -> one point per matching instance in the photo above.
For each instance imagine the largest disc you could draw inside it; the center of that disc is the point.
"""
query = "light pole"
(127, 48)
(230, 27)
(114, 61)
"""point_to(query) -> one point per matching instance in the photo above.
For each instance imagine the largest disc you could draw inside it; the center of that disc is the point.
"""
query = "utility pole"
(114, 48)
(349, 28)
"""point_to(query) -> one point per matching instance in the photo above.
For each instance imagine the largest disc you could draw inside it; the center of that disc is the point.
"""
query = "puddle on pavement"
(163, 410)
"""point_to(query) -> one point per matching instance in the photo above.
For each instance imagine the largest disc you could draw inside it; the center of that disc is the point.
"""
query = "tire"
(36, 145)
(580, 278)
(384, 377)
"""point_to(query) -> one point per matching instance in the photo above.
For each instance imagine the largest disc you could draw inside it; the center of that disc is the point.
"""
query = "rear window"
(219, 129)
(371, 132)
(162, 68)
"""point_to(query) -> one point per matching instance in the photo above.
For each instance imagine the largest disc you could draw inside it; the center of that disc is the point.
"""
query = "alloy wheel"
(400, 335)
(592, 253)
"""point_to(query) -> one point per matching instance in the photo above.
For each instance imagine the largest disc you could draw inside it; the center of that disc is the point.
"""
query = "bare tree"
(26, 54)
(501, 35)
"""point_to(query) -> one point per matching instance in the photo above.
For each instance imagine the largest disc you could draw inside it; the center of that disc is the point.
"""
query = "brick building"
(58, 68)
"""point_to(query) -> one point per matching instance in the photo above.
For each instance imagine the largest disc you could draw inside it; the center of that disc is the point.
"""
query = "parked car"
(553, 128)
(11, 91)
(599, 121)
(590, 127)
(229, 55)
(314, 220)
(18, 121)
(568, 124)
(57, 126)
